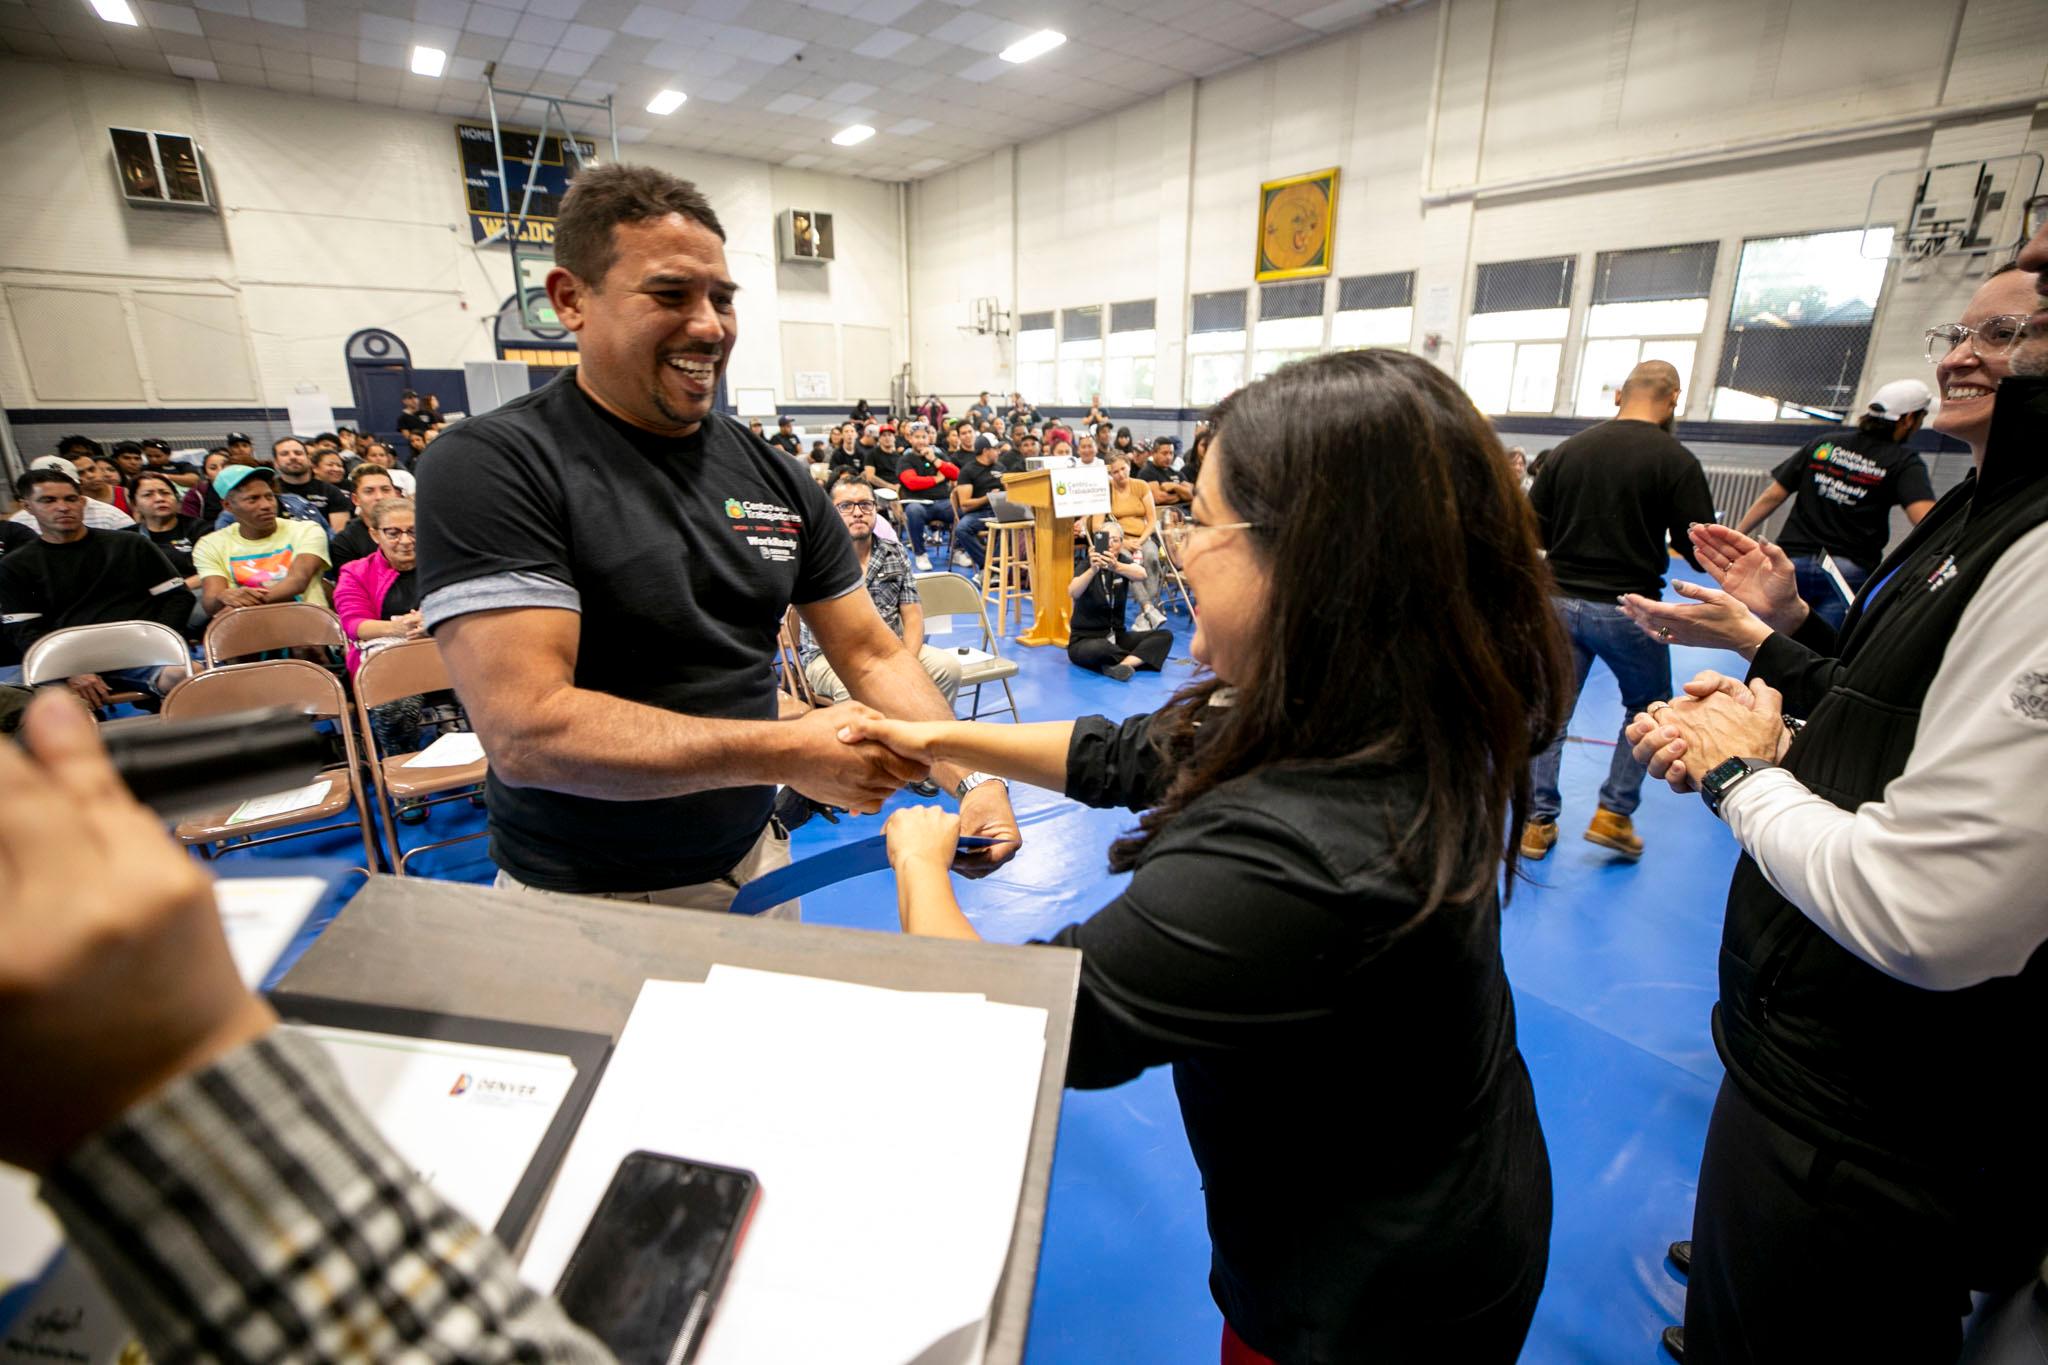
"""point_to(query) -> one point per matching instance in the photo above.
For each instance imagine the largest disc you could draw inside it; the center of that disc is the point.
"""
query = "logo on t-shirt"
(735, 509)
(262, 569)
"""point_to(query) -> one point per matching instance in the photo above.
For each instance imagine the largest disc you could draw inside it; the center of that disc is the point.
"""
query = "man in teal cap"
(262, 557)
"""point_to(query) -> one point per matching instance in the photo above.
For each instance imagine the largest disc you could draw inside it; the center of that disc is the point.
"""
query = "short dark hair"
(282, 439)
(46, 474)
(364, 470)
(164, 479)
(602, 197)
(84, 443)
(127, 448)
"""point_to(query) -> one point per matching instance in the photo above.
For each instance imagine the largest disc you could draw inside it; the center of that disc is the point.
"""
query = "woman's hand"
(1719, 621)
(922, 837)
(1755, 573)
(915, 740)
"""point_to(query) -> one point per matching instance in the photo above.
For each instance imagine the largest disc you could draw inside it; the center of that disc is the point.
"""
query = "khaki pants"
(770, 851)
(942, 665)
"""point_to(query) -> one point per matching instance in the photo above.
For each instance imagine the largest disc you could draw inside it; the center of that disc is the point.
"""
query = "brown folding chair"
(105, 648)
(242, 631)
(278, 682)
(408, 670)
(797, 696)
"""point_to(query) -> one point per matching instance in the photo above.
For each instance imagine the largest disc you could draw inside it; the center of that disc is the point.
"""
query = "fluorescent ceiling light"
(667, 102)
(116, 12)
(1037, 45)
(847, 137)
(428, 61)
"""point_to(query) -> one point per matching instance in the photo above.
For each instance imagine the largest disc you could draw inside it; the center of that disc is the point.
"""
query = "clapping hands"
(1714, 719)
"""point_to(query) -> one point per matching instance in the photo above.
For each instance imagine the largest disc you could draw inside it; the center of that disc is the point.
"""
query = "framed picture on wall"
(1297, 225)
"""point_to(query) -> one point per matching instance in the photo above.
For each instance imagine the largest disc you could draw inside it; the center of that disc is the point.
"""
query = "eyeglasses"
(2035, 215)
(398, 533)
(856, 505)
(1990, 339)
(1178, 537)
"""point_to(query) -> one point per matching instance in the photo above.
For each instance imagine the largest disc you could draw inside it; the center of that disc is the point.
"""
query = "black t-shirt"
(403, 595)
(177, 543)
(1844, 486)
(1010, 462)
(882, 461)
(14, 534)
(683, 555)
(413, 421)
(350, 543)
(1152, 473)
(106, 576)
(980, 479)
(323, 498)
(1610, 499)
(789, 441)
(909, 462)
(1099, 612)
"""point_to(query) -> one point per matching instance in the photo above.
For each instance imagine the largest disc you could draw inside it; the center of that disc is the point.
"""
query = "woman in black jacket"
(1097, 636)
(1311, 934)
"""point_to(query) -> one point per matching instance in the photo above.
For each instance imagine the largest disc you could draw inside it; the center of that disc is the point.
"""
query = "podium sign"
(1081, 490)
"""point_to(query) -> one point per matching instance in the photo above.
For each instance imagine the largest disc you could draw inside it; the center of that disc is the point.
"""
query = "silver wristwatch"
(973, 780)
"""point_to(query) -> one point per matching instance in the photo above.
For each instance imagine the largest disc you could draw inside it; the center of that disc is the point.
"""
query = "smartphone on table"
(655, 1255)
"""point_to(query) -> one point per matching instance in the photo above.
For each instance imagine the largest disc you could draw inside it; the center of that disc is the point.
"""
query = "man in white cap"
(1847, 484)
(99, 516)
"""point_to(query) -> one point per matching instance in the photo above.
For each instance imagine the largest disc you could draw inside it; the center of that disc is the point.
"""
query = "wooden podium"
(1052, 558)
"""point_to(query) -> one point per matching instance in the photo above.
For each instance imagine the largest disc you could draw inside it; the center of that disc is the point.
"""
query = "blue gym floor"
(1613, 967)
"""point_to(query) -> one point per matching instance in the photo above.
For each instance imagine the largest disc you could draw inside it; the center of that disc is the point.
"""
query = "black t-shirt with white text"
(788, 441)
(684, 555)
(1843, 488)
(323, 498)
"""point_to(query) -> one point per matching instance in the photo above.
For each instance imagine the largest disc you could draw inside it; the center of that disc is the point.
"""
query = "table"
(576, 963)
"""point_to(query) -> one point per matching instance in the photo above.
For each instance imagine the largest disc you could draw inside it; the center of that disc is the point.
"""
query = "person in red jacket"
(927, 487)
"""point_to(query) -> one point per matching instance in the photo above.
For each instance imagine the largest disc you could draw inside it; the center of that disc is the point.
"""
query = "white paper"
(29, 1234)
(969, 656)
(1081, 491)
(1436, 308)
(309, 413)
(261, 916)
(456, 749)
(888, 1128)
(813, 384)
(281, 803)
(467, 1118)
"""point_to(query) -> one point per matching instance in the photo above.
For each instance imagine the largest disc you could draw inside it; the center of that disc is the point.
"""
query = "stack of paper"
(456, 749)
(888, 1129)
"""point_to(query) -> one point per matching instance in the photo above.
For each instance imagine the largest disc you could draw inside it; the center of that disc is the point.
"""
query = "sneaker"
(1537, 837)
(924, 562)
(960, 560)
(1616, 831)
(1681, 1256)
(1674, 1342)
(1121, 672)
(411, 812)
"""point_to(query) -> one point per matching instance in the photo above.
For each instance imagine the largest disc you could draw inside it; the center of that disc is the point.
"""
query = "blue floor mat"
(1613, 967)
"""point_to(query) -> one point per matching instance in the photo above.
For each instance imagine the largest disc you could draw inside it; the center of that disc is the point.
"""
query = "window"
(1514, 340)
(1799, 325)
(1133, 354)
(1080, 362)
(1374, 310)
(1216, 344)
(1648, 304)
(1036, 349)
(1290, 325)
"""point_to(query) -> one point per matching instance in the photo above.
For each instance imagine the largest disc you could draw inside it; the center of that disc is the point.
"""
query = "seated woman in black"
(1096, 638)
(1311, 933)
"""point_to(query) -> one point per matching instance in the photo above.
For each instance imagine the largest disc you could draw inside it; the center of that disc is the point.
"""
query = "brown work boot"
(1612, 830)
(1537, 837)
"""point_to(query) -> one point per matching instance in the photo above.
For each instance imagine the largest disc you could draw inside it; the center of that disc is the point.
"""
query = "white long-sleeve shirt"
(1943, 882)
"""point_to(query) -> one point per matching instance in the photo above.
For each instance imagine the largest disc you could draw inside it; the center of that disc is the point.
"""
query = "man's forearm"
(305, 568)
(587, 743)
(896, 684)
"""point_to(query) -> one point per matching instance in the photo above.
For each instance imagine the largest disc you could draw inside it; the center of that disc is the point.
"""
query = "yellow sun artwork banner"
(1297, 225)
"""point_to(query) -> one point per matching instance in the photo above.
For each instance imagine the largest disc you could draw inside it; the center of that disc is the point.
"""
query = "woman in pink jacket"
(377, 599)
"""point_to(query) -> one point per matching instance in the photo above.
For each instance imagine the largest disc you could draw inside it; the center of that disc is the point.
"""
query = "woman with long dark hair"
(1311, 933)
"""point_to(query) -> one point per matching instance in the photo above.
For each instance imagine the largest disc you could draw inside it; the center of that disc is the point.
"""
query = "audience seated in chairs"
(1169, 492)
(369, 484)
(894, 592)
(160, 521)
(926, 484)
(1097, 638)
(262, 557)
(73, 575)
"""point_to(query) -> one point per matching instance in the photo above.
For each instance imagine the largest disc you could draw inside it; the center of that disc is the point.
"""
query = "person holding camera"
(1096, 637)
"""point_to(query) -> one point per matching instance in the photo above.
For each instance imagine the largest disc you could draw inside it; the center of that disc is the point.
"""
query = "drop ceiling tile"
(585, 38)
(287, 63)
(235, 54)
(184, 45)
(538, 29)
(562, 62)
(719, 11)
(331, 20)
(962, 28)
(377, 78)
(594, 90)
(380, 54)
(650, 21)
(884, 11)
(242, 75)
(928, 165)
(28, 44)
(886, 43)
(480, 46)
(166, 18)
(192, 68)
(849, 93)
(238, 8)
(528, 55)
(790, 104)
(465, 69)
(290, 13)
(835, 6)
(333, 69)
(803, 161)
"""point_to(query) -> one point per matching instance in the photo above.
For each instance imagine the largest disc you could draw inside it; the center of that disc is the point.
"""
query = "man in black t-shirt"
(74, 576)
(606, 563)
(369, 485)
(411, 419)
(1169, 491)
(981, 477)
(294, 465)
(1846, 485)
(1611, 502)
(785, 437)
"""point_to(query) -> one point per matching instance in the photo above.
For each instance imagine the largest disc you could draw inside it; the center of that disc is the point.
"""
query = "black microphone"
(188, 767)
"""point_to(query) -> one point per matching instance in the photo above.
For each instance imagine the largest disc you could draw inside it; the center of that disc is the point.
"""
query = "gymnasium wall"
(1471, 131)
(334, 217)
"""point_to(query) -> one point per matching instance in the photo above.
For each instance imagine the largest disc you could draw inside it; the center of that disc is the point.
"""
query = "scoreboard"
(490, 205)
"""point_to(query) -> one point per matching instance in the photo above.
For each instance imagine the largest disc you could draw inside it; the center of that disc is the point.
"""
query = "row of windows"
(1798, 328)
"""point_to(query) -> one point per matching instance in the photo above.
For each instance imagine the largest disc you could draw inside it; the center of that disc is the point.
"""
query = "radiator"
(1734, 488)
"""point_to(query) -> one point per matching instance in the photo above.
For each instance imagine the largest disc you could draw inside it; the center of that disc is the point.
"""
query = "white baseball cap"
(56, 462)
(1902, 398)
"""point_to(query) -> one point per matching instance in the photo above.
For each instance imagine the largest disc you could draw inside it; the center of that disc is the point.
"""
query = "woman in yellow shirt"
(1130, 502)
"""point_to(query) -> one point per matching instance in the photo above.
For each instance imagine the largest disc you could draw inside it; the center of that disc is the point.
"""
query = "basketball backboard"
(1960, 208)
